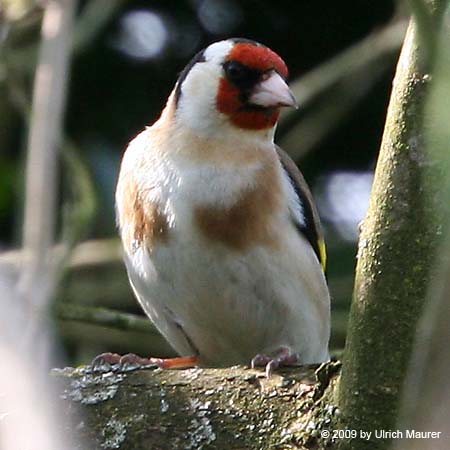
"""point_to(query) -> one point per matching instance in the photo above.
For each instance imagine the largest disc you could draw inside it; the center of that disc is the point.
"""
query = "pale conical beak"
(272, 92)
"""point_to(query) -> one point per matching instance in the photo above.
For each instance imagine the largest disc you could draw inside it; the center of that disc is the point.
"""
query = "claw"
(106, 362)
(283, 357)
(260, 360)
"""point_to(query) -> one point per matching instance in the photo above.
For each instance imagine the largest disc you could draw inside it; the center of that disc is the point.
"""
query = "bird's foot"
(130, 361)
(283, 357)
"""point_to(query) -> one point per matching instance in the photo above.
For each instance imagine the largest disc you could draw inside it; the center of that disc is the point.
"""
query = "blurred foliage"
(113, 96)
(115, 91)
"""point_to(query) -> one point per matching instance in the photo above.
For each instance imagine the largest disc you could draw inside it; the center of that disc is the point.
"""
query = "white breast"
(226, 305)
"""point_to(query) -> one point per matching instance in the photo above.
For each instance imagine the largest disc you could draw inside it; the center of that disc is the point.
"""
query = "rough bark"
(396, 257)
(233, 408)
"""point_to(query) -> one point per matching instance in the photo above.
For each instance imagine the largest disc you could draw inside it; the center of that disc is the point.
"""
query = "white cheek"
(197, 104)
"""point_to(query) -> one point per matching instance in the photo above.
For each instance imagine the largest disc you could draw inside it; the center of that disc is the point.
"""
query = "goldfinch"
(221, 238)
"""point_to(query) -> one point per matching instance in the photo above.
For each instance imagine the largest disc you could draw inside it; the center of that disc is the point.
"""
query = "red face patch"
(229, 97)
(261, 58)
(229, 103)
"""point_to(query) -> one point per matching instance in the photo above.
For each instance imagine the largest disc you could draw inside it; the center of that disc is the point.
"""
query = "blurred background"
(124, 61)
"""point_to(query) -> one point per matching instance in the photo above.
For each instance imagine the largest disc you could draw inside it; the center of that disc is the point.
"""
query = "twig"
(347, 78)
(366, 52)
(89, 253)
(105, 317)
(94, 16)
(79, 211)
(37, 281)
(118, 320)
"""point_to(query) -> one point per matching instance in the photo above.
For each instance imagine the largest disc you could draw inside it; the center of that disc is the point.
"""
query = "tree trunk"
(396, 257)
(426, 405)
(233, 408)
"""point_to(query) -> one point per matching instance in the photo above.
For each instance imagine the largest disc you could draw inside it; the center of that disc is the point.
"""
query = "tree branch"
(232, 408)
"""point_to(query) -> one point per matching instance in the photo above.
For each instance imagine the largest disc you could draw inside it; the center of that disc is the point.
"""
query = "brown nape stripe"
(198, 58)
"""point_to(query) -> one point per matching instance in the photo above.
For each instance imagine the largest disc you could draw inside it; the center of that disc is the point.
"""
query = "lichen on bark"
(233, 408)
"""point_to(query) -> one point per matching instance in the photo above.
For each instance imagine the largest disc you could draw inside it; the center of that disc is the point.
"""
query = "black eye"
(234, 70)
(241, 75)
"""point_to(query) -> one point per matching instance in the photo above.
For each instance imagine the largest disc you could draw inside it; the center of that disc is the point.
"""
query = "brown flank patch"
(141, 221)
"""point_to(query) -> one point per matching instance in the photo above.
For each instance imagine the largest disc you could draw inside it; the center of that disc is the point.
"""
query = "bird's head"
(237, 84)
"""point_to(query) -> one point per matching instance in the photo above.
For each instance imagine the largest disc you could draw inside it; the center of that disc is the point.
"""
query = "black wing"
(310, 227)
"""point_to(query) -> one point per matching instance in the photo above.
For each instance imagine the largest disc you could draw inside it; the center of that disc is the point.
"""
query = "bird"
(221, 238)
